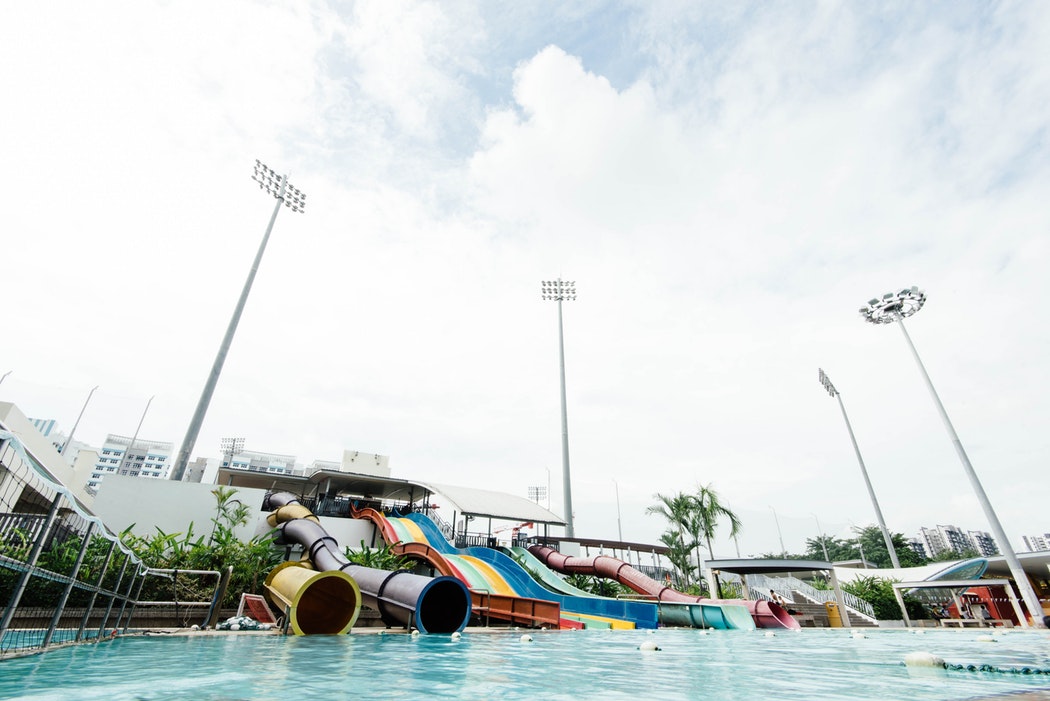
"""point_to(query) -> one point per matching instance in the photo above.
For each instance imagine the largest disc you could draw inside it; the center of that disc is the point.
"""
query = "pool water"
(608, 665)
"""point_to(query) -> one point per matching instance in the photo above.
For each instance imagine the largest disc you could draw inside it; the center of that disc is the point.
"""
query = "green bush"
(879, 593)
(251, 560)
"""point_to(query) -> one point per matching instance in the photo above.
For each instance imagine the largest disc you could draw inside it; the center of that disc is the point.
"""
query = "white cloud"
(724, 212)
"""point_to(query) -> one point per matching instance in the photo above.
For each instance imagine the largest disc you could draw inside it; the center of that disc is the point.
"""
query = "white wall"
(170, 506)
(351, 531)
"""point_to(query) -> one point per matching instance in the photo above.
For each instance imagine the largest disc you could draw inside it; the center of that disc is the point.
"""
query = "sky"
(726, 184)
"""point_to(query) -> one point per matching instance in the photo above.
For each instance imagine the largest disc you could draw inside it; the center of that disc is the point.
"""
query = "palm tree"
(677, 509)
(678, 555)
(707, 511)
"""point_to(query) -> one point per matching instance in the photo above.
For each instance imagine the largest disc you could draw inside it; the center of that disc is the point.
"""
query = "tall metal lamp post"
(131, 445)
(780, 534)
(563, 291)
(895, 307)
(619, 527)
(823, 540)
(826, 381)
(69, 439)
(279, 187)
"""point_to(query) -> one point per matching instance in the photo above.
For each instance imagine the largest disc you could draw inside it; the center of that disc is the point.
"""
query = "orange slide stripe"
(496, 581)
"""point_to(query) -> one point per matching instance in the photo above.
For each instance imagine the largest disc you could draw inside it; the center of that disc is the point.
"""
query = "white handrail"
(784, 586)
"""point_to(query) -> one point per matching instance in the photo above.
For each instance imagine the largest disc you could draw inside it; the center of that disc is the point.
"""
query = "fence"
(63, 576)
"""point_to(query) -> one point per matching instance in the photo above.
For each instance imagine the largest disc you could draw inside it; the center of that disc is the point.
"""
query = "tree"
(677, 509)
(707, 511)
(838, 548)
(953, 555)
(870, 539)
(879, 593)
(678, 554)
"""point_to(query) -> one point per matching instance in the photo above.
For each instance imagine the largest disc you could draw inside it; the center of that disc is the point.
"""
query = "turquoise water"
(608, 665)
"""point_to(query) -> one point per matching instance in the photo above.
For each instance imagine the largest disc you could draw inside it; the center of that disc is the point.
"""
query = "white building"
(1035, 543)
(18, 490)
(255, 461)
(145, 459)
(942, 539)
(983, 543)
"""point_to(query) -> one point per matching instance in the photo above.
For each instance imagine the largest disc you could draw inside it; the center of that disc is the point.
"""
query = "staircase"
(804, 598)
(811, 615)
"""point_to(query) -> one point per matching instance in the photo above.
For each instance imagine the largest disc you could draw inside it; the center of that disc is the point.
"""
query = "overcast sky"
(726, 183)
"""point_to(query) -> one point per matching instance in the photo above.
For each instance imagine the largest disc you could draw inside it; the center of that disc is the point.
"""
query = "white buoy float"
(986, 639)
(526, 638)
(923, 659)
(648, 646)
(457, 635)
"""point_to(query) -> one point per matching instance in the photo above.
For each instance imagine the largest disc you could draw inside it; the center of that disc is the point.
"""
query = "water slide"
(707, 614)
(486, 603)
(319, 598)
(492, 570)
(765, 614)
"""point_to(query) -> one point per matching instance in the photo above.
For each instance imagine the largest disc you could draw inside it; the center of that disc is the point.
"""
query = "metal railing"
(64, 577)
(444, 526)
(786, 586)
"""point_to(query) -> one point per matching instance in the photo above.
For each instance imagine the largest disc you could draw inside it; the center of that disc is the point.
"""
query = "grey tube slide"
(431, 604)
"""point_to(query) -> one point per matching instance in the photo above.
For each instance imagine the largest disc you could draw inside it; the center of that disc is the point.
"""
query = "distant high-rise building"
(942, 539)
(145, 459)
(916, 545)
(195, 470)
(256, 461)
(983, 543)
(1035, 543)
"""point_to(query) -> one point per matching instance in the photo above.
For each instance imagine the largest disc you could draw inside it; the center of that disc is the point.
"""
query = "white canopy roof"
(482, 502)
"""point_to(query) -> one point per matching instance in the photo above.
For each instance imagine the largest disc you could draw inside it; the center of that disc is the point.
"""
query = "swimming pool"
(608, 665)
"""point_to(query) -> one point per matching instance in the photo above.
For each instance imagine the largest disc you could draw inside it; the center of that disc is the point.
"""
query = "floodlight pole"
(559, 291)
(780, 534)
(231, 447)
(894, 307)
(286, 194)
(69, 439)
(619, 527)
(135, 437)
(823, 543)
(826, 381)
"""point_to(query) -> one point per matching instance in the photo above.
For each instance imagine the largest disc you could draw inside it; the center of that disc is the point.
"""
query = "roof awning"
(752, 566)
(488, 504)
(467, 500)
